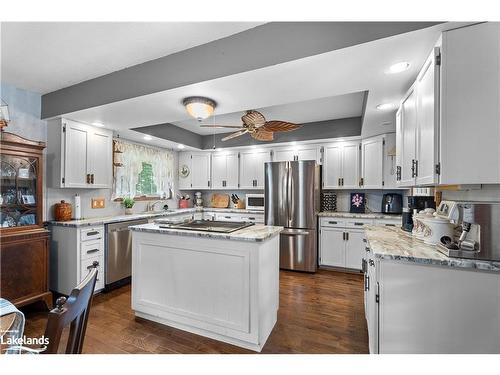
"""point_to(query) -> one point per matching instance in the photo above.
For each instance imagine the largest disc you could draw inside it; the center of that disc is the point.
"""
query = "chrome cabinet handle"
(92, 251)
(332, 222)
(367, 283)
(92, 233)
(390, 225)
(371, 262)
(357, 223)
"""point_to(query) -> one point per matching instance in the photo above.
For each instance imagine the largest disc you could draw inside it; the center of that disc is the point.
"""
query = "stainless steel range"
(205, 225)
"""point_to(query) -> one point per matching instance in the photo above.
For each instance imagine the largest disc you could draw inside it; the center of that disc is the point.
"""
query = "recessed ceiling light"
(398, 67)
(386, 106)
(98, 124)
(180, 145)
(148, 137)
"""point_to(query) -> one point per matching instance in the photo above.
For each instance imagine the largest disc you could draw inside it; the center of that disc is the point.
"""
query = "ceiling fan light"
(199, 107)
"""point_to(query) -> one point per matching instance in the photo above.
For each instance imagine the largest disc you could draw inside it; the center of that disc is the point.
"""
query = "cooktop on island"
(206, 225)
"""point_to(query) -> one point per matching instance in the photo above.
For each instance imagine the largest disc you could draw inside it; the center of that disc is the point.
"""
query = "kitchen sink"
(206, 225)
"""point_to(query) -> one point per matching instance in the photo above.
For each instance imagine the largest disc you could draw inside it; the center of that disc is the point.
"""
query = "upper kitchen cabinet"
(81, 155)
(194, 170)
(252, 168)
(341, 165)
(296, 153)
(225, 170)
(447, 124)
(470, 105)
(372, 163)
(390, 162)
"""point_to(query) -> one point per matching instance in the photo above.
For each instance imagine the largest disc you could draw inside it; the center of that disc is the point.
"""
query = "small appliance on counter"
(392, 204)
(78, 207)
(328, 201)
(416, 203)
(478, 236)
(255, 202)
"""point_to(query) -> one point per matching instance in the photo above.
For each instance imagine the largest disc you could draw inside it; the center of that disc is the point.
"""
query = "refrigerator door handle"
(289, 196)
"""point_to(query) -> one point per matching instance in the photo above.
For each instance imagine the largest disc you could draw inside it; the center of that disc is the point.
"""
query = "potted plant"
(128, 203)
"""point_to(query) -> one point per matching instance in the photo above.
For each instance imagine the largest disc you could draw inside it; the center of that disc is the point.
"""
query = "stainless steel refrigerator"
(292, 196)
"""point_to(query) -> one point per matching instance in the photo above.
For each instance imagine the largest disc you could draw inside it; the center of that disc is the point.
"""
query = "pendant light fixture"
(199, 107)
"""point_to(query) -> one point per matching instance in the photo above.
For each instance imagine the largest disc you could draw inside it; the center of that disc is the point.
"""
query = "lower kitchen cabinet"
(332, 247)
(416, 308)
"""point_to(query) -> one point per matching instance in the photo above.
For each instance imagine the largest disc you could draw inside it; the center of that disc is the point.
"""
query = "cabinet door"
(350, 165)
(408, 141)
(261, 158)
(99, 158)
(332, 247)
(185, 164)
(232, 171)
(75, 155)
(372, 161)
(427, 120)
(284, 154)
(399, 144)
(332, 166)
(308, 153)
(390, 163)
(247, 170)
(200, 169)
(219, 170)
(354, 249)
(372, 306)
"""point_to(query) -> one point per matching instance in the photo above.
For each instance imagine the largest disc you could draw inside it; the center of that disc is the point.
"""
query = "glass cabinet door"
(18, 193)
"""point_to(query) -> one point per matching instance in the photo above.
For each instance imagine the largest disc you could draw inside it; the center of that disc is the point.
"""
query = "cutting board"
(219, 201)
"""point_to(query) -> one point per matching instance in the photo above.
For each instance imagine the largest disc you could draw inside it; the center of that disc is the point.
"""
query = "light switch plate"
(97, 203)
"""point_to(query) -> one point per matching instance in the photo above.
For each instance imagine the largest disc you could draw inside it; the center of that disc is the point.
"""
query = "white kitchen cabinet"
(244, 217)
(390, 162)
(198, 166)
(372, 163)
(332, 247)
(341, 242)
(225, 170)
(427, 121)
(252, 168)
(341, 165)
(408, 139)
(354, 249)
(470, 101)
(80, 155)
(297, 153)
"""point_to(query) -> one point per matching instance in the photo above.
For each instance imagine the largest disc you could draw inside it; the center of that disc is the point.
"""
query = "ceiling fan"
(256, 125)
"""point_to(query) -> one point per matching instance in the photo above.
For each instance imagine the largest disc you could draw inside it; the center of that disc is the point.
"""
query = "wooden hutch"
(24, 242)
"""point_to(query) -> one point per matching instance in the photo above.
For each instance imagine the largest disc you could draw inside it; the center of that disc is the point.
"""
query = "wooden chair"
(72, 311)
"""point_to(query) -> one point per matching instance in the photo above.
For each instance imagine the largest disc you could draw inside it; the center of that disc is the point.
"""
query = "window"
(145, 171)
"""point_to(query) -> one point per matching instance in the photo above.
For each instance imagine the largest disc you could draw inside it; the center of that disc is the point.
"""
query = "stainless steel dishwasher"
(118, 256)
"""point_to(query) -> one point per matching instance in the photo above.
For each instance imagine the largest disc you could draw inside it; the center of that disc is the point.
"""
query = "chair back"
(73, 311)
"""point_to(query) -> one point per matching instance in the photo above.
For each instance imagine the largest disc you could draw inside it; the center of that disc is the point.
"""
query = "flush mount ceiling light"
(398, 67)
(199, 107)
(385, 106)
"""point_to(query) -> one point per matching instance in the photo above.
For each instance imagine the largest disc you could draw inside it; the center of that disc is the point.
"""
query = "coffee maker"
(392, 203)
(416, 203)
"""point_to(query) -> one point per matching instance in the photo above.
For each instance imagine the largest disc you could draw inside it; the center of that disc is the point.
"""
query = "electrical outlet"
(97, 203)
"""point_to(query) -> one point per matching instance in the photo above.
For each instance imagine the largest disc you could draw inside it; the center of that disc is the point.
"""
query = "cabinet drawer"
(91, 249)
(90, 234)
(332, 222)
(358, 223)
(85, 267)
(389, 222)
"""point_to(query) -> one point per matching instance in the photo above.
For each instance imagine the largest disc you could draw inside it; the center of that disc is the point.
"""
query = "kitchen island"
(220, 285)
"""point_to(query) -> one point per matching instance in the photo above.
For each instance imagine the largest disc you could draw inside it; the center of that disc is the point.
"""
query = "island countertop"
(351, 215)
(395, 244)
(253, 233)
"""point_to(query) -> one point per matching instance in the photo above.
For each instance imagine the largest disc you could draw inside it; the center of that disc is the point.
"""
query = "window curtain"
(136, 159)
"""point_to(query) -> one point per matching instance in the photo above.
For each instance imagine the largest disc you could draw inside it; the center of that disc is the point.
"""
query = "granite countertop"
(349, 215)
(395, 244)
(146, 215)
(253, 233)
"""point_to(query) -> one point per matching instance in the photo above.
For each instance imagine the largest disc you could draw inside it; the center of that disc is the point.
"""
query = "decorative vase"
(128, 211)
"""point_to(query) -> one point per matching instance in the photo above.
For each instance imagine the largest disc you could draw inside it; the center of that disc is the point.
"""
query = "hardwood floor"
(319, 313)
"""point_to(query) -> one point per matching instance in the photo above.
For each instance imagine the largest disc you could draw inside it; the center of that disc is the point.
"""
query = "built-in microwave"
(255, 202)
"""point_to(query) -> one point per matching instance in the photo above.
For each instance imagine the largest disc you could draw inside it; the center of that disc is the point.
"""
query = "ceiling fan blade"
(279, 126)
(222, 126)
(262, 135)
(234, 135)
(253, 118)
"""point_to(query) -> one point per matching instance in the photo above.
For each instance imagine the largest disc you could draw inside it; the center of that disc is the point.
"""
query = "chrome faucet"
(151, 206)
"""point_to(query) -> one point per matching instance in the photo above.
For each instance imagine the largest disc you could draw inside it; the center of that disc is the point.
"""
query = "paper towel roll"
(78, 207)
